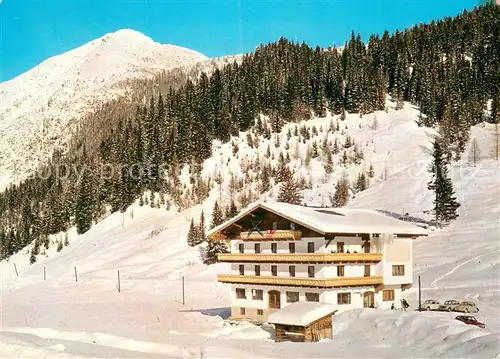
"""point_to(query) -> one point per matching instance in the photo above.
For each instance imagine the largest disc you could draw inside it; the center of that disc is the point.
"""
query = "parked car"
(449, 305)
(430, 304)
(470, 320)
(467, 307)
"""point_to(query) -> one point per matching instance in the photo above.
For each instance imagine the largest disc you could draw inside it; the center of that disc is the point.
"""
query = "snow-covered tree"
(191, 234)
(217, 215)
(474, 152)
(371, 171)
(445, 202)
(328, 162)
(214, 247)
(289, 190)
(341, 195)
(361, 182)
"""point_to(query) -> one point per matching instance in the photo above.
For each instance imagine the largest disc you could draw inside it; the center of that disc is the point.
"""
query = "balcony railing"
(271, 235)
(304, 282)
(302, 257)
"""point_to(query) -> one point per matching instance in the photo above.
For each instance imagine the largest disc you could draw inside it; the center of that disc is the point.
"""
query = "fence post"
(183, 301)
(119, 289)
(44, 273)
(76, 275)
(15, 267)
(419, 295)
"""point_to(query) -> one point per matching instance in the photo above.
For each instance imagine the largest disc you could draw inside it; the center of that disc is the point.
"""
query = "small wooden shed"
(303, 322)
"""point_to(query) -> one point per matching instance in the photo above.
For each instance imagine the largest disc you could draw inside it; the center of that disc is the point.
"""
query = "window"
(310, 247)
(257, 271)
(291, 270)
(257, 294)
(275, 225)
(388, 295)
(241, 248)
(340, 271)
(257, 247)
(274, 247)
(242, 269)
(241, 293)
(367, 270)
(274, 271)
(343, 298)
(398, 270)
(292, 226)
(291, 247)
(310, 271)
(260, 312)
(340, 247)
(242, 311)
(274, 299)
(292, 297)
(312, 297)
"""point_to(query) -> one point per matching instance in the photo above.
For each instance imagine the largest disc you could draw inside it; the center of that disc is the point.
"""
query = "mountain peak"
(39, 106)
(128, 34)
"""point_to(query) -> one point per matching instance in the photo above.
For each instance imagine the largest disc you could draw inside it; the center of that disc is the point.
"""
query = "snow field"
(62, 318)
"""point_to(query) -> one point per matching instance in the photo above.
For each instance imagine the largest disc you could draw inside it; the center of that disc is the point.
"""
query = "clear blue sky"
(33, 30)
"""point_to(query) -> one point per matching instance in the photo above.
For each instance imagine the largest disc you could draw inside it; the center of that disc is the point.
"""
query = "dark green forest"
(450, 69)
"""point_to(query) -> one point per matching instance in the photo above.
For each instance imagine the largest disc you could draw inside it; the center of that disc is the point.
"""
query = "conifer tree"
(308, 156)
(474, 152)
(348, 142)
(83, 215)
(266, 180)
(191, 234)
(328, 162)
(335, 146)
(201, 229)
(214, 247)
(341, 195)
(289, 190)
(315, 152)
(232, 210)
(445, 203)
(371, 171)
(345, 159)
(32, 256)
(217, 215)
(361, 182)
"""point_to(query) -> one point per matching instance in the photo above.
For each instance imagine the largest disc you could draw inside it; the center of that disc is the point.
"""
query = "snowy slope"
(63, 318)
(40, 107)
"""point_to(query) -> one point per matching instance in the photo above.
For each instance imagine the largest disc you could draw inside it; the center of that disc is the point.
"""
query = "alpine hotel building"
(282, 253)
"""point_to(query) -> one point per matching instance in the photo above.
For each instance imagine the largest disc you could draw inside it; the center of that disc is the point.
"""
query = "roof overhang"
(252, 208)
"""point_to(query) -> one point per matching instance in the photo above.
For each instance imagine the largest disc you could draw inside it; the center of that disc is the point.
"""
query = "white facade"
(367, 259)
(395, 251)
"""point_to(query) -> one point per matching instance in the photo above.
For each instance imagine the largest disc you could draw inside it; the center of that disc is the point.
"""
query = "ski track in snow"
(462, 264)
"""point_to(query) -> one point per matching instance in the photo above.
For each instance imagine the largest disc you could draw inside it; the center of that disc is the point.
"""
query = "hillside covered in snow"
(41, 108)
(95, 255)
(90, 318)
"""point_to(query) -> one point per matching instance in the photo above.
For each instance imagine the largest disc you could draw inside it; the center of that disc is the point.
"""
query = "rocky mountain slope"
(41, 108)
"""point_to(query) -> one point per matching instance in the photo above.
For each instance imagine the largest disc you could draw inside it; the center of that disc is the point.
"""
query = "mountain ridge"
(41, 107)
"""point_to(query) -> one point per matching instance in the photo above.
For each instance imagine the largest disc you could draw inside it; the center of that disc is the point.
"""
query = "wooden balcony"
(301, 282)
(301, 257)
(271, 235)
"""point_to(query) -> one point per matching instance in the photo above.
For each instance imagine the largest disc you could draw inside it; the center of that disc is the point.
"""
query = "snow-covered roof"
(301, 313)
(331, 220)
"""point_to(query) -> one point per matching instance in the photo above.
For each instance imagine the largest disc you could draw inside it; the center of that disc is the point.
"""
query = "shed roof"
(301, 313)
(331, 220)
